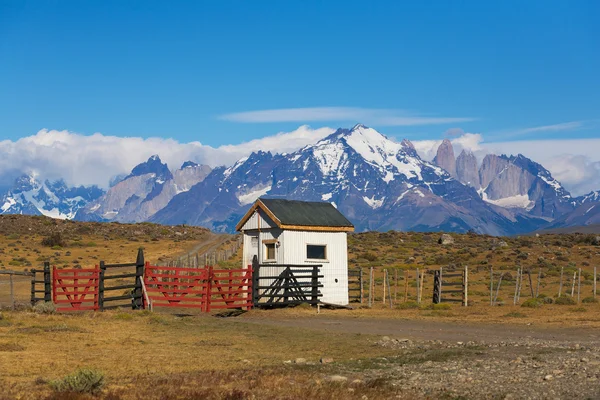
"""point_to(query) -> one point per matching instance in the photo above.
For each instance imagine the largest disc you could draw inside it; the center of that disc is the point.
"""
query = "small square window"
(270, 251)
(316, 252)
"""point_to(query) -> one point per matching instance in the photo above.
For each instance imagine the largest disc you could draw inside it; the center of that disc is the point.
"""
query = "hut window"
(316, 251)
(269, 251)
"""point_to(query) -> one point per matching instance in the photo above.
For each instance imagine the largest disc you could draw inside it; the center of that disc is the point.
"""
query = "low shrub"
(407, 305)
(42, 307)
(533, 303)
(54, 240)
(84, 380)
(564, 301)
(589, 300)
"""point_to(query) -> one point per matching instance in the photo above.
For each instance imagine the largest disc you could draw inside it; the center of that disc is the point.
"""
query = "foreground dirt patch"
(278, 354)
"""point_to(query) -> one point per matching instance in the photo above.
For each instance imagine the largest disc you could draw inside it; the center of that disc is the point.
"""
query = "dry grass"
(403, 251)
(165, 348)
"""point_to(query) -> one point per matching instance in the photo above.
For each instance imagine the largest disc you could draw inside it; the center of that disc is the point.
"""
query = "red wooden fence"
(75, 289)
(201, 288)
(230, 288)
(177, 287)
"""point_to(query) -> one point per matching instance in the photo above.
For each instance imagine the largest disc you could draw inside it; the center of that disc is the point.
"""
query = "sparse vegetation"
(87, 381)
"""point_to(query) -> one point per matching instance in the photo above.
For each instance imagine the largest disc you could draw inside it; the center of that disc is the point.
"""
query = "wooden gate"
(75, 289)
(440, 282)
(177, 287)
(282, 285)
(230, 288)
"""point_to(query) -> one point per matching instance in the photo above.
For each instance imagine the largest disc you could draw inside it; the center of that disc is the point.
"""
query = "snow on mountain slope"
(52, 199)
(149, 188)
(591, 197)
(377, 183)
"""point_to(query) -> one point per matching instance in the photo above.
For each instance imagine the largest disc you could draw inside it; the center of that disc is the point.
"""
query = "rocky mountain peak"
(444, 157)
(155, 166)
(467, 169)
(188, 164)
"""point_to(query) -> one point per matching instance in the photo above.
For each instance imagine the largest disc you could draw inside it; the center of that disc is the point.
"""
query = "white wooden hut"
(294, 232)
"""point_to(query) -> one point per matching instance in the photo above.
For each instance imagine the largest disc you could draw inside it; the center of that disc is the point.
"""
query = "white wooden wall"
(334, 269)
(292, 250)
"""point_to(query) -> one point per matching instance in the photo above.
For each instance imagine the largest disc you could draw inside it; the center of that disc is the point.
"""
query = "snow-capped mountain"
(138, 196)
(52, 199)
(377, 183)
(514, 182)
(591, 197)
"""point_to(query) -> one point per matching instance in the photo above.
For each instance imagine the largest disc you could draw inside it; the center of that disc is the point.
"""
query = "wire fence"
(15, 290)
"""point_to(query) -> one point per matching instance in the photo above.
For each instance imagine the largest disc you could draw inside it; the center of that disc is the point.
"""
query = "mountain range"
(379, 184)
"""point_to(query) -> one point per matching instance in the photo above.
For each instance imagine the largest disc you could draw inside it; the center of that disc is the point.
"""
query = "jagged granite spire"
(445, 157)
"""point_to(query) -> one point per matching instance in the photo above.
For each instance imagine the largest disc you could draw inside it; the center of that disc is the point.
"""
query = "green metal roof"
(306, 213)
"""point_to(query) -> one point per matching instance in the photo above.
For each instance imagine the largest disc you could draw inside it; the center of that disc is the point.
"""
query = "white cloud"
(94, 159)
(380, 117)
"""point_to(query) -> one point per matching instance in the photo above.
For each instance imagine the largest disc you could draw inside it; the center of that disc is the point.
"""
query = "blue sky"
(512, 70)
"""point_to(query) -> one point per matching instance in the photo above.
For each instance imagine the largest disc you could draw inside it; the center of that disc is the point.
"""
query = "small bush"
(564, 301)
(42, 307)
(54, 240)
(578, 309)
(533, 303)
(589, 300)
(82, 381)
(407, 305)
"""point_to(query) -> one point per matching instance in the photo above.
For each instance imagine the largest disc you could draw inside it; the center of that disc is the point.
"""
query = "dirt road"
(434, 330)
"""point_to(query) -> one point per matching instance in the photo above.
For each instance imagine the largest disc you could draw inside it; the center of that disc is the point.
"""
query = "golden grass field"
(159, 355)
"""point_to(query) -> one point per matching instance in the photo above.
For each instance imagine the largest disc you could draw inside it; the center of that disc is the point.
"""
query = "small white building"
(294, 232)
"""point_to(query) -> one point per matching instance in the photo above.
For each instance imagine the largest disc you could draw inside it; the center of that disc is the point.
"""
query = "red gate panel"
(75, 289)
(177, 287)
(201, 288)
(230, 288)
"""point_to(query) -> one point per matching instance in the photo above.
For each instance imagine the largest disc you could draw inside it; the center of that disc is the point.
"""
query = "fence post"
(384, 288)
(138, 302)
(594, 282)
(562, 270)
(418, 291)
(497, 290)
(209, 282)
(370, 287)
(47, 282)
(537, 288)
(436, 287)
(362, 290)
(579, 286)
(315, 284)
(255, 280)
(466, 287)
(33, 271)
(101, 286)
(491, 286)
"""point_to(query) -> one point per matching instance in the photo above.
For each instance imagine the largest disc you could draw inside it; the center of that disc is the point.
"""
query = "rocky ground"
(521, 369)
(488, 361)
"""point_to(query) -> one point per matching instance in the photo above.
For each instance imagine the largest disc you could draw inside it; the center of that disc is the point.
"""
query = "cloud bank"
(95, 159)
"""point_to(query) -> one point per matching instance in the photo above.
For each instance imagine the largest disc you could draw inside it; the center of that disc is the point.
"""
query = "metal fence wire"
(15, 290)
